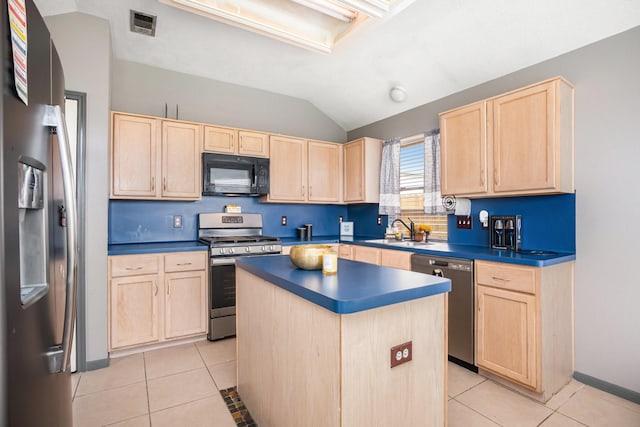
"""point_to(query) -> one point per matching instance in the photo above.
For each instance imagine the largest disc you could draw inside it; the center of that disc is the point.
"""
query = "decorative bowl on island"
(308, 257)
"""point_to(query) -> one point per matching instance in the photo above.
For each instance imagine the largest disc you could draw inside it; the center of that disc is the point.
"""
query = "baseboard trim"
(622, 392)
(92, 365)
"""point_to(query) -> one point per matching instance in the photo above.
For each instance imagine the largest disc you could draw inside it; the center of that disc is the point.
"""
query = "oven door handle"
(222, 261)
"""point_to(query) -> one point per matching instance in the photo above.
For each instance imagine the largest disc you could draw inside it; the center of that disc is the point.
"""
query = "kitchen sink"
(401, 243)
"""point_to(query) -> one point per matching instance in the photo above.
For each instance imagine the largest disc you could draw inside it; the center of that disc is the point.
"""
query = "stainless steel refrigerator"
(37, 228)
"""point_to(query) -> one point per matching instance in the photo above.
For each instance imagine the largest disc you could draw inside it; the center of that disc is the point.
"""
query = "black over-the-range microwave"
(230, 175)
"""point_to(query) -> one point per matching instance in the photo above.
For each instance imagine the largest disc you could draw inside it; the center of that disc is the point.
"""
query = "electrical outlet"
(401, 353)
(463, 222)
(379, 222)
(283, 221)
(340, 219)
(177, 221)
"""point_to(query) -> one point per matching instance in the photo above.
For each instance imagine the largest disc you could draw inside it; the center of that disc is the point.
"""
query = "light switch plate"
(177, 221)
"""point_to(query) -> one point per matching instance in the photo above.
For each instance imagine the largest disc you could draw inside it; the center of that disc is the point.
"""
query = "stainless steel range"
(230, 236)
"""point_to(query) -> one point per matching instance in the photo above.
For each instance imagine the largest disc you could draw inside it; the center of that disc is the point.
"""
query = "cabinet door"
(463, 150)
(220, 140)
(254, 144)
(185, 303)
(133, 310)
(506, 334)
(345, 251)
(325, 177)
(354, 171)
(395, 259)
(181, 151)
(366, 254)
(524, 140)
(288, 169)
(134, 157)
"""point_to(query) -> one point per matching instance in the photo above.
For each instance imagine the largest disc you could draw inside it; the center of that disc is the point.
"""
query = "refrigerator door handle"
(59, 355)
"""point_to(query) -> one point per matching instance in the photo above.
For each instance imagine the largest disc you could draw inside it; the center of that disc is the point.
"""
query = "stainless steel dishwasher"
(461, 301)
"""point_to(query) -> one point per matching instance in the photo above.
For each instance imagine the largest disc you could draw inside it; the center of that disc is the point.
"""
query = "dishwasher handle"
(437, 272)
(438, 263)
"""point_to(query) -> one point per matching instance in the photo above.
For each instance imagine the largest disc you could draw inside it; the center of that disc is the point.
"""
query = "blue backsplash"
(548, 222)
(135, 221)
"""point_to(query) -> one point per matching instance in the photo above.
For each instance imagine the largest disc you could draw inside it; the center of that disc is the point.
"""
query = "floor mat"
(238, 411)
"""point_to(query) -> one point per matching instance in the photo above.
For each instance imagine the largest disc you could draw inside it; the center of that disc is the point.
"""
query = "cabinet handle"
(133, 268)
(500, 279)
(155, 294)
(184, 263)
(482, 172)
(302, 193)
(496, 181)
(168, 288)
(164, 184)
(310, 191)
(153, 183)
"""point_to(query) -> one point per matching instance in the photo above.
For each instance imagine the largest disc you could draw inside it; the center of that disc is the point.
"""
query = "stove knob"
(222, 251)
(231, 250)
(264, 249)
(247, 249)
(271, 248)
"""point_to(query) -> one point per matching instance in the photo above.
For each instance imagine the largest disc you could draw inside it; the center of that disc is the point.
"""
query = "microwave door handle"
(255, 176)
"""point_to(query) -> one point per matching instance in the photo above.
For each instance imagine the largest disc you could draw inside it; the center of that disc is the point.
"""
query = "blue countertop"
(482, 253)
(356, 287)
(445, 249)
(151, 248)
(435, 248)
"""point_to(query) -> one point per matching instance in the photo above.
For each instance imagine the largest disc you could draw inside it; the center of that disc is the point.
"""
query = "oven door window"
(223, 286)
(230, 180)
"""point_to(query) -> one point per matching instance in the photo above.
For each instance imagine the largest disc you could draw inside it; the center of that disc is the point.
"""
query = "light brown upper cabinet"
(304, 171)
(463, 151)
(362, 170)
(519, 143)
(234, 141)
(155, 159)
(324, 166)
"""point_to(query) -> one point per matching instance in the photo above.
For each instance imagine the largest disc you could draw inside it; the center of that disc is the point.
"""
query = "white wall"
(607, 172)
(138, 88)
(84, 45)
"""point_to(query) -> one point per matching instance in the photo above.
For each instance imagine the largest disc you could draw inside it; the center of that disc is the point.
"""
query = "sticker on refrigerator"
(18, 24)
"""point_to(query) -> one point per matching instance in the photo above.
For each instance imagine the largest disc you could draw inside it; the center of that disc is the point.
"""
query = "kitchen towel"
(463, 207)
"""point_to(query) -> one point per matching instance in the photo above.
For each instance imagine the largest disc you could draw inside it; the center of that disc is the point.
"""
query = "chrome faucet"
(412, 231)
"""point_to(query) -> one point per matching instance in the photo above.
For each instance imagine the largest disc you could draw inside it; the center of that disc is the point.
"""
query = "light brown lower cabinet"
(524, 327)
(156, 297)
(378, 256)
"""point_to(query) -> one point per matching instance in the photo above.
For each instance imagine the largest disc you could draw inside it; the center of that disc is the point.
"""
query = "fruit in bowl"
(308, 257)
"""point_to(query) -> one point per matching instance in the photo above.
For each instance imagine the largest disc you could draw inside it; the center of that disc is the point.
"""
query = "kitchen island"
(316, 350)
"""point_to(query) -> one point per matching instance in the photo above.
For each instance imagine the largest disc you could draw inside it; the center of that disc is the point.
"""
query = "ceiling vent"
(143, 23)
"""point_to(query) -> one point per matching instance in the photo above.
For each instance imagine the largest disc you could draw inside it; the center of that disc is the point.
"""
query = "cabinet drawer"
(504, 276)
(133, 265)
(345, 251)
(186, 261)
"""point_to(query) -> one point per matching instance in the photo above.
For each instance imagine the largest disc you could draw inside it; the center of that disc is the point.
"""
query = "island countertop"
(356, 287)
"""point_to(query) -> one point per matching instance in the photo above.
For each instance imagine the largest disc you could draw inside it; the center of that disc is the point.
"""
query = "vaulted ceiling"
(431, 47)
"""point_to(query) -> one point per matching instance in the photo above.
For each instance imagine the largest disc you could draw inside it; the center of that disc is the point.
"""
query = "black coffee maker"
(505, 232)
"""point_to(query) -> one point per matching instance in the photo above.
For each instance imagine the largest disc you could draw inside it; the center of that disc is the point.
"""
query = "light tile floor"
(178, 386)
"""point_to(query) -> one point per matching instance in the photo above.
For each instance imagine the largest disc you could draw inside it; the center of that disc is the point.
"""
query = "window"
(412, 188)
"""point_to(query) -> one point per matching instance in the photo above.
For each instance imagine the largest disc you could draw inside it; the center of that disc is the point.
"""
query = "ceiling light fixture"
(330, 9)
(398, 93)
